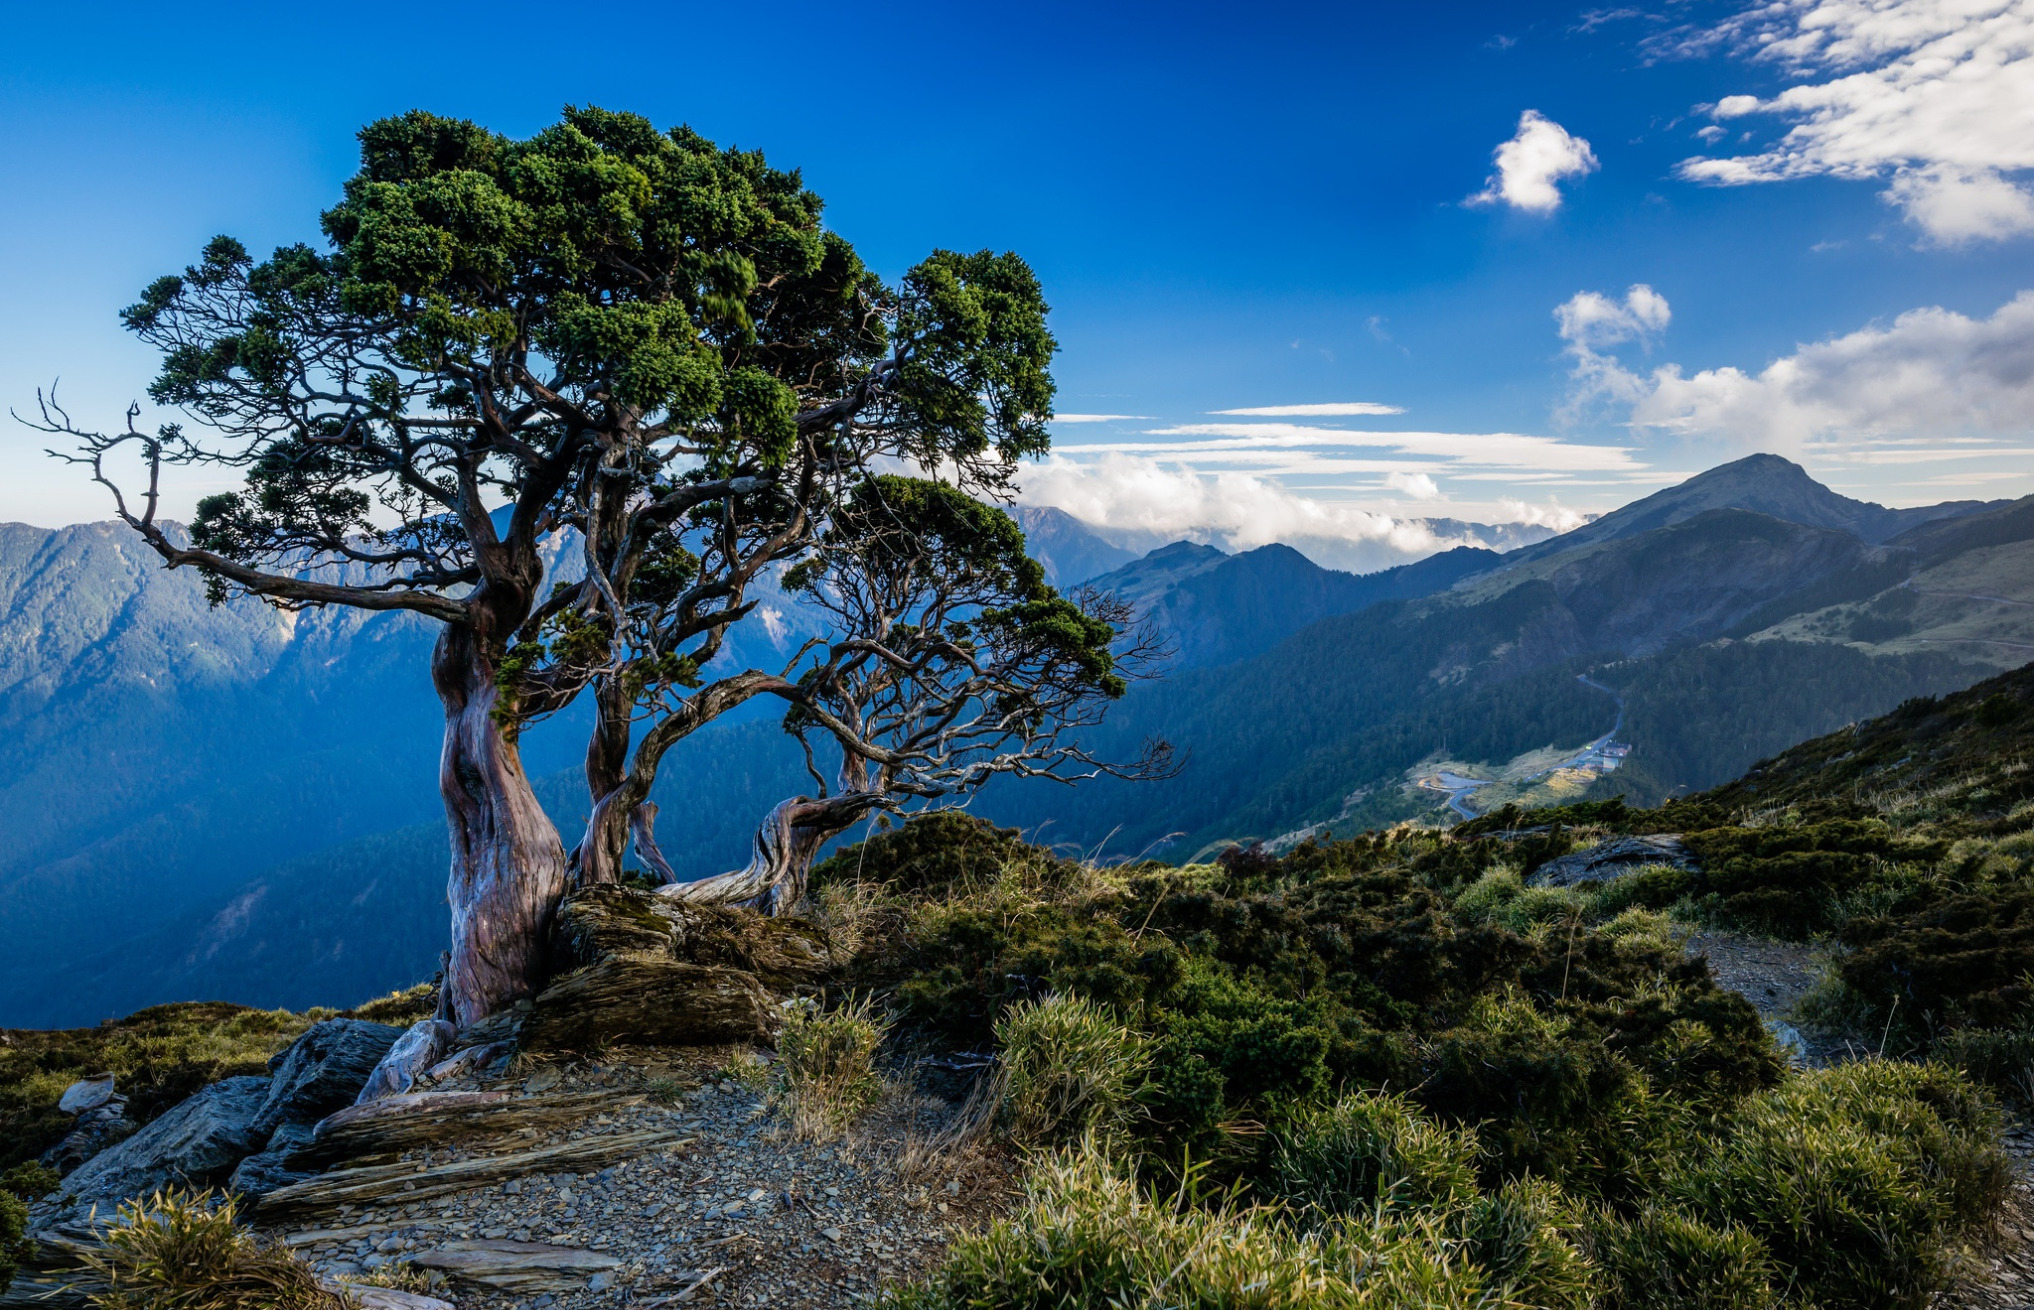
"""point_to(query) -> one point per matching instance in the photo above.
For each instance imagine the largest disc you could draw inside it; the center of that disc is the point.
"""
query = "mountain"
(1763, 484)
(1219, 608)
(1675, 637)
(1070, 550)
(240, 804)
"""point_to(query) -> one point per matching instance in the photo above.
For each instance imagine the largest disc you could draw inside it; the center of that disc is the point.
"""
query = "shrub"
(1071, 1071)
(2000, 1058)
(13, 1236)
(826, 1064)
(1087, 1236)
(178, 1251)
(1859, 1180)
(1524, 1237)
(1368, 1151)
(1662, 1259)
(1963, 959)
(30, 1179)
(1501, 897)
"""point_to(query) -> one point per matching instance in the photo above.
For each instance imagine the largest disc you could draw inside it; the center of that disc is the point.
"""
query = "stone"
(519, 1266)
(270, 1168)
(432, 1120)
(195, 1144)
(373, 1183)
(427, 1042)
(86, 1094)
(1613, 859)
(651, 1000)
(95, 1131)
(323, 1070)
(369, 1297)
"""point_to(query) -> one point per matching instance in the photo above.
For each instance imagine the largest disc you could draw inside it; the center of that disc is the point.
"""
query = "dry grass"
(180, 1251)
(826, 1065)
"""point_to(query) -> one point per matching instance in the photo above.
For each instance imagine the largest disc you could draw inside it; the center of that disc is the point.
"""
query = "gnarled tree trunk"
(598, 857)
(781, 859)
(508, 863)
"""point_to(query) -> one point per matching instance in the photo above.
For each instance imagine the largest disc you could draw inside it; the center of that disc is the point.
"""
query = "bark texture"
(781, 856)
(508, 864)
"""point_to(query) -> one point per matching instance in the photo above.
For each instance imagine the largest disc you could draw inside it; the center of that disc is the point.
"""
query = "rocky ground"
(728, 1209)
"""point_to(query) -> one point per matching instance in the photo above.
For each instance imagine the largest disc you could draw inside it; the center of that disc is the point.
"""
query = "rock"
(427, 1042)
(651, 1000)
(607, 921)
(519, 1266)
(95, 1131)
(323, 1070)
(1613, 859)
(433, 1120)
(269, 1169)
(469, 1061)
(369, 1297)
(87, 1094)
(373, 1183)
(194, 1144)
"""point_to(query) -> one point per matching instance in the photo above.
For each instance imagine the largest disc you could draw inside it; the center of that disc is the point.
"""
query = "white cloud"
(1538, 156)
(1415, 486)
(1136, 496)
(1095, 418)
(1336, 409)
(1933, 384)
(1464, 449)
(1935, 95)
(1590, 320)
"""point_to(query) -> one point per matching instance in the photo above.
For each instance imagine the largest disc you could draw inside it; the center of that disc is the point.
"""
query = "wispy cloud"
(1097, 418)
(1333, 409)
(1935, 96)
(1530, 165)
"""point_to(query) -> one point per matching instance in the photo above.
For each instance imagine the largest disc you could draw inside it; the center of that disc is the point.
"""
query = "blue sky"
(1233, 208)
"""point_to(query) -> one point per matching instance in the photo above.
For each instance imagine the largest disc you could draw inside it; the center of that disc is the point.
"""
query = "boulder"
(1613, 859)
(426, 1043)
(95, 1131)
(195, 1144)
(635, 967)
(323, 1071)
(652, 1001)
(87, 1094)
(262, 1173)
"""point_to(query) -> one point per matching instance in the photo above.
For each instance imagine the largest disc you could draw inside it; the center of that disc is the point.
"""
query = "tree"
(604, 327)
(952, 663)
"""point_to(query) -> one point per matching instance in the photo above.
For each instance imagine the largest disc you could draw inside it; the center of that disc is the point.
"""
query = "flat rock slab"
(1613, 859)
(406, 1182)
(442, 1119)
(518, 1266)
(87, 1094)
(369, 1297)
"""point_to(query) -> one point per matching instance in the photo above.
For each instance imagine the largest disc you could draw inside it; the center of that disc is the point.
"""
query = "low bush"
(14, 1247)
(1858, 1180)
(1365, 1152)
(178, 1251)
(1071, 1071)
(826, 1064)
(1087, 1235)
(1527, 1236)
(1663, 1259)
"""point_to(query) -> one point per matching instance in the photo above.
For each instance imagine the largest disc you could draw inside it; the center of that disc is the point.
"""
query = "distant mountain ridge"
(243, 804)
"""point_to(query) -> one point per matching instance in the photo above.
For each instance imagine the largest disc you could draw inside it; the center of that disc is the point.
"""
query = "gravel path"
(736, 1214)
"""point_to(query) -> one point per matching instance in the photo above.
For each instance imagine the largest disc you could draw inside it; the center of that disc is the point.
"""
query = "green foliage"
(1661, 1258)
(1859, 1179)
(29, 1179)
(1367, 1151)
(1071, 1071)
(158, 1056)
(179, 1251)
(1087, 1235)
(14, 1245)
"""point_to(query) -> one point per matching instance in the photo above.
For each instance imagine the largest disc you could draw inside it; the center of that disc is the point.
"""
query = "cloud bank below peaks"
(1934, 96)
